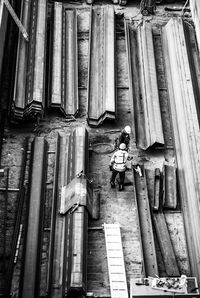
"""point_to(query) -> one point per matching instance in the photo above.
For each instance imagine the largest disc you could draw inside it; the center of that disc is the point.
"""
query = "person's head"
(122, 146)
(127, 129)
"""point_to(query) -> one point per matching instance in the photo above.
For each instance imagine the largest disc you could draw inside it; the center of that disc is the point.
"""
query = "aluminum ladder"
(115, 258)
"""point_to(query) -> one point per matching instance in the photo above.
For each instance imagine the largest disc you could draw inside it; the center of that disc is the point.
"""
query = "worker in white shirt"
(118, 165)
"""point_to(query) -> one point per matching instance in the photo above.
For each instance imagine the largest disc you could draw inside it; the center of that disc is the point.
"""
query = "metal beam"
(143, 86)
(146, 230)
(69, 241)
(186, 133)
(64, 61)
(30, 277)
(29, 86)
(101, 66)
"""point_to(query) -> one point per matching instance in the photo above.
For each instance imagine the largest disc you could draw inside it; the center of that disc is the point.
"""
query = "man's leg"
(112, 179)
(121, 180)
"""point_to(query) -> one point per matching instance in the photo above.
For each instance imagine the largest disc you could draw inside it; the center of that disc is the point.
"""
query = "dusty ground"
(115, 206)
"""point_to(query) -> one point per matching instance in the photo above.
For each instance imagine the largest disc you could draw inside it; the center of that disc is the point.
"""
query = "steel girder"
(68, 254)
(182, 97)
(145, 223)
(63, 86)
(29, 86)
(30, 274)
(101, 66)
(143, 86)
(195, 10)
(3, 28)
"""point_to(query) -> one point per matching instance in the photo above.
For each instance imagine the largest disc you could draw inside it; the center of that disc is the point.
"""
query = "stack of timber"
(29, 86)
(195, 10)
(3, 28)
(185, 122)
(144, 214)
(63, 84)
(30, 276)
(143, 86)
(101, 70)
(67, 272)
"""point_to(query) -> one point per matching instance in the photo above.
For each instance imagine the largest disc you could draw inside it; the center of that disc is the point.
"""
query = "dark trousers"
(121, 176)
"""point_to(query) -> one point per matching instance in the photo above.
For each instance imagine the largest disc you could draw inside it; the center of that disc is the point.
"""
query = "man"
(124, 136)
(118, 166)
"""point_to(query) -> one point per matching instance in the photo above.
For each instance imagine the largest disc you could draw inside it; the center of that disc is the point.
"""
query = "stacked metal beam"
(195, 10)
(29, 88)
(146, 230)
(67, 262)
(143, 86)
(64, 64)
(101, 75)
(185, 122)
(29, 286)
(3, 28)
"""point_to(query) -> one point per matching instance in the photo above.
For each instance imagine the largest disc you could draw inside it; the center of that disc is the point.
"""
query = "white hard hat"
(127, 129)
(122, 146)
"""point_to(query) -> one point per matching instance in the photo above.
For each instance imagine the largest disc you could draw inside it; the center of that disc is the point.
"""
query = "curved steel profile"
(64, 64)
(186, 133)
(29, 96)
(101, 71)
(143, 86)
(67, 260)
(30, 277)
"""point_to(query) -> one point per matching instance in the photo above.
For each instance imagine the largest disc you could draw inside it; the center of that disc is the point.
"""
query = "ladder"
(115, 258)
(16, 19)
